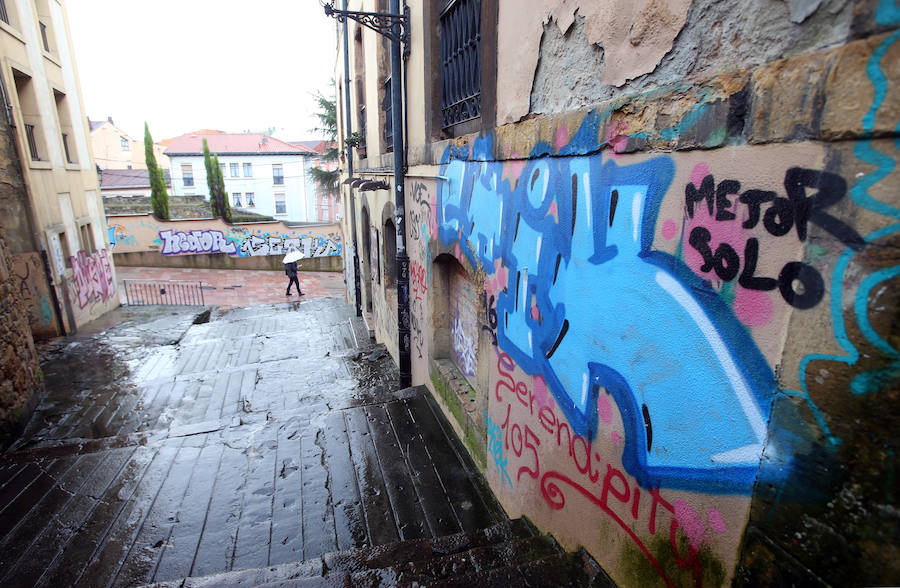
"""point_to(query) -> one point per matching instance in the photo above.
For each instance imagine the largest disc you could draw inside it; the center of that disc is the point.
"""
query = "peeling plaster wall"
(555, 56)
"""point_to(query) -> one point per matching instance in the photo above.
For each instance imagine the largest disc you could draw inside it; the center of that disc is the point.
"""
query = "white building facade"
(262, 174)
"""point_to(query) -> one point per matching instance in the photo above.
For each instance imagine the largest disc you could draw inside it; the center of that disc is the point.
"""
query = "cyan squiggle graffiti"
(593, 309)
(884, 164)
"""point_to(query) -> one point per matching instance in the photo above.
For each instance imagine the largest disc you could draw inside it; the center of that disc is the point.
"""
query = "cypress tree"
(211, 180)
(159, 198)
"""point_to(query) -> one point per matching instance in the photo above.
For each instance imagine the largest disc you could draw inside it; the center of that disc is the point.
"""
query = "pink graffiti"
(716, 522)
(562, 137)
(604, 408)
(700, 171)
(93, 276)
(669, 229)
(616, 136)
(753, 308)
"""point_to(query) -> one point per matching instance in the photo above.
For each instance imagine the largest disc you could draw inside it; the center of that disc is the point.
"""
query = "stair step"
(559, 569)
(333, 568)
(509, 553)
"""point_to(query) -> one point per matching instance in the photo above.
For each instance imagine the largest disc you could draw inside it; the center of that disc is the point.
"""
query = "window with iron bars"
(32, 143)
(388, 109)
(460, 61)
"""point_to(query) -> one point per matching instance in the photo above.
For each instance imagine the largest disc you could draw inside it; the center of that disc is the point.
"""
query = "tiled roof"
(128, 178)
(232, 143)
(170, 140)
(317, 145)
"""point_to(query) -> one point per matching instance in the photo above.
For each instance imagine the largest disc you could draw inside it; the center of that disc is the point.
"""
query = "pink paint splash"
(562, 137)
(616, 136)
(512, 168)
(669, 229)
(615, 437)
(716, 522)
(457, 251)
(753, 307)
(690, 521)
(541, 393)
(553, 210)
(604, 408)
(535, 313)
(700, 171)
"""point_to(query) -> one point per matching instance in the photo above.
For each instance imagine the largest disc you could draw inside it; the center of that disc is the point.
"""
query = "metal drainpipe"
(349, 117)
(403, 330)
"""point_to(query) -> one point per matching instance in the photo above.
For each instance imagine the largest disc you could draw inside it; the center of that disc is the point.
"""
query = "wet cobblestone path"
(171, 445)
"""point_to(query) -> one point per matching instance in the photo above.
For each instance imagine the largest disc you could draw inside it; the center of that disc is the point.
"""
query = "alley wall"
(661, 312)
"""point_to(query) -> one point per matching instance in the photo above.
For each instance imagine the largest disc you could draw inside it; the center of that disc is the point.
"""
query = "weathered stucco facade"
(658, 297)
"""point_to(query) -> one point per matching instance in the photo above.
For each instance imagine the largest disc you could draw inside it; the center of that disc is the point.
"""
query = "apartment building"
(262, 174)
(113, 148)
(62, 201)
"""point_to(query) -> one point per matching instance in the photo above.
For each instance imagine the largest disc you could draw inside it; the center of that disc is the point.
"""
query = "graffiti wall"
(638, 308)
(143, 240)
(143, 233)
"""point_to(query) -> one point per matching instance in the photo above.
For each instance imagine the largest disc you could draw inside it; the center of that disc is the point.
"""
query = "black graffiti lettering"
(724, 261)
(706, 192)
(725, 188)
(811, 286)
(747, 279)
(831, 189)
(754, 200)
(779, 218)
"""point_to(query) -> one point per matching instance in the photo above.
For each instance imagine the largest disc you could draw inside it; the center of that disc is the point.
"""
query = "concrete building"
(58, 221)
(262, 174)
(113, 148)
(652, 270)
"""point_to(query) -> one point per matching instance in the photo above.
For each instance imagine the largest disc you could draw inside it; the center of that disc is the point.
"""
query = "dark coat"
(290, 269)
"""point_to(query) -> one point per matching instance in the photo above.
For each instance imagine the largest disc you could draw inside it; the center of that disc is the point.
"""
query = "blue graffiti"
(593, 309)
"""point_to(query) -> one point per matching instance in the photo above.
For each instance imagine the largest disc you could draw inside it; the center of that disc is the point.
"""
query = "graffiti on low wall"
(143, 233)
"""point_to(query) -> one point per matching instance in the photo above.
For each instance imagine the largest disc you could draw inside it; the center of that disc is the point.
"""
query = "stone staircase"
(507, 554)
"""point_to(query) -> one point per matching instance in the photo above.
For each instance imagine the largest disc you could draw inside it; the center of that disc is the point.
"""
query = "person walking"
(290, 269)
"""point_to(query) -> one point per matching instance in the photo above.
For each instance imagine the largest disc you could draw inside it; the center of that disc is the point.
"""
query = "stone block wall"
(20, 374)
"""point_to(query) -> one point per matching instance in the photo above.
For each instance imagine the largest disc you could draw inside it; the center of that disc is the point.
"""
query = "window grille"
(388, 117)
(234, 170)
(32, 143)
(250, 202)
(280, 204)
(65, 142)
(123, 142)
(248, 170)
(460, 62)
(236, 197)
(277, 174)
(44, 37)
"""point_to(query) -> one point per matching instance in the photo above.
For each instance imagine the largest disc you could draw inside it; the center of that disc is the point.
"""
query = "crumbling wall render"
(558, 55)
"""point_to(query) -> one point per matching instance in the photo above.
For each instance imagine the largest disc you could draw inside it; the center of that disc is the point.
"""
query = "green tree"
(159, 198)
(218, 198)
(327, 116)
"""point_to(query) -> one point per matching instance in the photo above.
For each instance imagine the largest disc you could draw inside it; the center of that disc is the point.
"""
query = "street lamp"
(395, 26)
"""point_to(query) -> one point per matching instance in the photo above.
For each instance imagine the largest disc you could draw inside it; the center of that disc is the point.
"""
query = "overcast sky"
(184, 65)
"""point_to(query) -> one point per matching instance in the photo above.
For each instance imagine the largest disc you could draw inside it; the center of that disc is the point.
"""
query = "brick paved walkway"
(167, 449)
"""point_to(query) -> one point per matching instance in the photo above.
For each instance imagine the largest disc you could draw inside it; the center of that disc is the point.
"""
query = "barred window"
(460, 62)
(388, 116)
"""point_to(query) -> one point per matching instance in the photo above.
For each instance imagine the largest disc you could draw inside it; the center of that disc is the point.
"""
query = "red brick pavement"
(240, 287)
